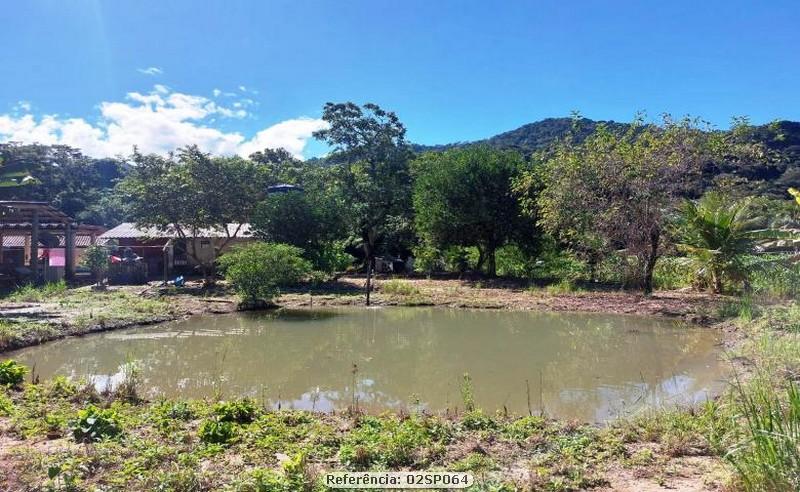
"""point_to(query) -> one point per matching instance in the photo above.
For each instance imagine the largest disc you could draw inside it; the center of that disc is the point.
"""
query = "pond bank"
(39, 316)
(205, 445)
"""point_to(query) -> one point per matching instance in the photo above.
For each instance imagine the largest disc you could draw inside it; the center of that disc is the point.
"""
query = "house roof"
(129, 230)
(19, 241)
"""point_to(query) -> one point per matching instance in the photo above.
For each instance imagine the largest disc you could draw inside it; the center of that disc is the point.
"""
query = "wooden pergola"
(35, 219)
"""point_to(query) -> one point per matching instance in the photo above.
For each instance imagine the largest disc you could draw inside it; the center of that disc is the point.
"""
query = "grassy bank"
(33, 315)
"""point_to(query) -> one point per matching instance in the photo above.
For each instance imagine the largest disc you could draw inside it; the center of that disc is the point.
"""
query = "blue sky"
(236, 75)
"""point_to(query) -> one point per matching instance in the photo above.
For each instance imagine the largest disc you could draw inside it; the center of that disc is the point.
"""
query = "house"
(41, 243)
(165, 252)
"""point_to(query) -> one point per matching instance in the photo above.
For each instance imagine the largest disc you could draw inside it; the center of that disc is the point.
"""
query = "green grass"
(31, 293)
(73, 311)
(768, 458)
(398, 287)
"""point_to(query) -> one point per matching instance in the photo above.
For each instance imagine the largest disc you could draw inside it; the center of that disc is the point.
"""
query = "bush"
(216, 431)
(398, 287)
(241, 411)
(94, 424)
(12, 373)
(257, 271)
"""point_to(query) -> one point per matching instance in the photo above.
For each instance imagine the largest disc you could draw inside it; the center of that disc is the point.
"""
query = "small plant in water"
(467, 395)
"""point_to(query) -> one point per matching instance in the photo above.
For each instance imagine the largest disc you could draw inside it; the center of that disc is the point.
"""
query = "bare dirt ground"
(504, 294)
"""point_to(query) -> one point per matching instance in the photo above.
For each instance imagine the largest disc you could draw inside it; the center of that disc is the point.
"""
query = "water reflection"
(586, 366)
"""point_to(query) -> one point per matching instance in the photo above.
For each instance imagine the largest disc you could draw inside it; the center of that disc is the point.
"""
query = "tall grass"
(31, 293)
(769, 457)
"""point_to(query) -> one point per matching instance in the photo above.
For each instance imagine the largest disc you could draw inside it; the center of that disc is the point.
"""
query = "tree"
(64, 177)
(191, 193)
(310, 220)
(615, 190)
(464, 197)
(717, 232)
(257, 271)
(371, 155)
(95, 258)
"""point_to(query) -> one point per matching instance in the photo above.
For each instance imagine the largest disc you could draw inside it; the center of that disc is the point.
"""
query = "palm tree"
(717, 232)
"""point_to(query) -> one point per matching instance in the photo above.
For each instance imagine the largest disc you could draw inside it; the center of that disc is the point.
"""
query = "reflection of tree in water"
(591, 366)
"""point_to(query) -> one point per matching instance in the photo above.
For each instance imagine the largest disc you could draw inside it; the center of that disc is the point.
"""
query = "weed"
(398, 287)
(239, 411)
(12, 373)
(95, 424)
(215, 431)
(769, 458)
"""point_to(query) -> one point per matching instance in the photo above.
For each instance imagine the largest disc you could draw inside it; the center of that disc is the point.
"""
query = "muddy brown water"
(585, 366)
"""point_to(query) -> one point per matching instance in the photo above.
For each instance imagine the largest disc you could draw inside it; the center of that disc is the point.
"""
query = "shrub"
(95, 258)
(522, 428)
(398, 287)
(215, 431)
(477, 420)
(258, 270)
(95, 424)
(241, 411)
(12, 373)
(388, 441)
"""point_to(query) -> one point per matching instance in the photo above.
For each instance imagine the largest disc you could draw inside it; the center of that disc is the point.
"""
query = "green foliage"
(310, 221)
(32, 293)
(673, 273)
(370, 174)
(769, 457)
(191, 192)
(717, 233)
(216, 431)
(257, 271)
(291, 478)
(6, 405)
(239, 411)
(476, 419)
(398, 287)
(523, 428)
(464, 198)
(95, 258)
(95, 424)
(388, 441)
(12, 373)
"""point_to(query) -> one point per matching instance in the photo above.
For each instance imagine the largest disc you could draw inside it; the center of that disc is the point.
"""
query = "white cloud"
(159, 121)
(22, 106)
(150, 71)
(216, 92)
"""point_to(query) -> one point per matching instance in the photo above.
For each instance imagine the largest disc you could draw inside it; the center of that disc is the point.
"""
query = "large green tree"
(192, 191)
(370, 155)
(64, 177)
(464, 197)
(614, 191)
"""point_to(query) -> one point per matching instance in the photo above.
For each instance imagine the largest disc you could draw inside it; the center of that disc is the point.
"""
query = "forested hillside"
(82, 186)
(772, 176)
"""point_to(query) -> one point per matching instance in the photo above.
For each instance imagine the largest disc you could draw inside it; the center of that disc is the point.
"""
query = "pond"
(586, 366)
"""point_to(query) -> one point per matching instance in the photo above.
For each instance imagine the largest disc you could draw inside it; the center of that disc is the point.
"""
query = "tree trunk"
(491, 265)
(650, 263)
(369, 276)
(481, 259)
(716, 280)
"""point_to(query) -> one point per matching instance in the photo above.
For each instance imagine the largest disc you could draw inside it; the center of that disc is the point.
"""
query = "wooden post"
(69, 252)
(35, 246)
